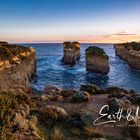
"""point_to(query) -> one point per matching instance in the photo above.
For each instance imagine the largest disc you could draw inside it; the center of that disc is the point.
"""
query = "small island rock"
(97, 60)
(71, 52)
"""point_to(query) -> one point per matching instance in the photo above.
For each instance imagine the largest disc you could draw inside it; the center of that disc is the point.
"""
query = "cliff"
(17, 65)
(71, 52)
(97, 60)
(130, 52)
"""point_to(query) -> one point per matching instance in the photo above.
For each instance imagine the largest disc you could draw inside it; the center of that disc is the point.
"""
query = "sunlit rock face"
(130, 52)
(17, 66)
(97, 60)
(71, 52)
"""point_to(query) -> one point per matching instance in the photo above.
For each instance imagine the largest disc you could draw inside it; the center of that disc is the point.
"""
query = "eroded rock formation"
(97, 60)
(130, 52)
(17, 66)
(71, 52)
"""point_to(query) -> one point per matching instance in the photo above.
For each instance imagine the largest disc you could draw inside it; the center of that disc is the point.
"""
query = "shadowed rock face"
(71, 52)
(130, 52)
(97, 60)
(17, 66)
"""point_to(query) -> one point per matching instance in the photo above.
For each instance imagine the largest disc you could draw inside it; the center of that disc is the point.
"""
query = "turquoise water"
(51, 70)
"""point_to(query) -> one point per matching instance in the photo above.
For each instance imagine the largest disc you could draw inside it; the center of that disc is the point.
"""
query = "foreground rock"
(71, 52)
(97, 60)
(130, 52)
(52, 90)
(134, 129)
(25, 117)
(53, 112)
(17, 122)
(81, 96)
(92, 89)
(17, 66)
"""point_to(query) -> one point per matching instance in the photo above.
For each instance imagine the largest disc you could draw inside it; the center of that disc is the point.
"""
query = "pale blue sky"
(59, 20)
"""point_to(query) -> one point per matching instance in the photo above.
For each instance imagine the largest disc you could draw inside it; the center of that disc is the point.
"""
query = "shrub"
(9, 104)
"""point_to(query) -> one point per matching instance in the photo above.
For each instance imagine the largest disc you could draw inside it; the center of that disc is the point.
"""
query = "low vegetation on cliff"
(71, 45)
(93, 50)
(131, 46)
(12, 52)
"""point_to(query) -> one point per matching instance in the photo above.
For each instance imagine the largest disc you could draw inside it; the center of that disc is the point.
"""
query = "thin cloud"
(124, 33)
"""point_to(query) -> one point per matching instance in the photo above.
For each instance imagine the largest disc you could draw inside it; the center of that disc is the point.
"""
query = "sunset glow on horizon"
(86, 21)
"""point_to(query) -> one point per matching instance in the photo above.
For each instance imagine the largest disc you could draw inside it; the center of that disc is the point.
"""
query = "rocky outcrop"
(17, 66)
(97, 60)
(81, 96)
(130, 52)
(92, 89)
(17, 120)
(53, 112)
(71, 52)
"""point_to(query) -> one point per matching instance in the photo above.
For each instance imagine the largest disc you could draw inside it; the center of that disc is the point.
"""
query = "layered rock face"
(17, 65)
(71, 52)
(97, 60)
(130, 52)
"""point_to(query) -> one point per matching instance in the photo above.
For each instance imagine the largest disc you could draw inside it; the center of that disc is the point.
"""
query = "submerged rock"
(97, 60)
(71, 52)
(130, 52)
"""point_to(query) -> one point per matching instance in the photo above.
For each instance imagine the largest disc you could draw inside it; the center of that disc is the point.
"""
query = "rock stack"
(97, 60)
(71, 52)
(129, 52)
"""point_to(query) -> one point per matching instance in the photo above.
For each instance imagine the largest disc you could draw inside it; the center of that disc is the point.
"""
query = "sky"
(87, 21)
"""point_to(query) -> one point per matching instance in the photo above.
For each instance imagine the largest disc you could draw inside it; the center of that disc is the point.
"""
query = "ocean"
(50, 70)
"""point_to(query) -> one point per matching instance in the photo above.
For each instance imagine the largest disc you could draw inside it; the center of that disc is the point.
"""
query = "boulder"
(53, 112)
(116, 104)
(71, 52)
(97, 60)
(68, 92)
(57, 98)
(92, 89)
(52, 90)
(81, 119)
(81, 96)
(114, 89)
(46, 97)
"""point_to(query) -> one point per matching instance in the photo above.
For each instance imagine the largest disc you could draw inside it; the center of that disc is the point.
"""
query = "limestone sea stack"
(71, 52)
(17, 66)
(97, 60)
(129, 52)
